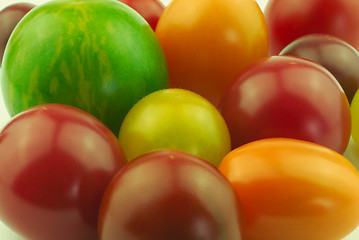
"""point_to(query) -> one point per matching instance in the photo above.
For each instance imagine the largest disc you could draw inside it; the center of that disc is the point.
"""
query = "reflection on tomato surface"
(56, 163)
(293, 189)
(169, 194)
(284, 96)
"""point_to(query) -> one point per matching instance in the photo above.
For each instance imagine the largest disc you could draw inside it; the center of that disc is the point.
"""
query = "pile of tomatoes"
(253, 139)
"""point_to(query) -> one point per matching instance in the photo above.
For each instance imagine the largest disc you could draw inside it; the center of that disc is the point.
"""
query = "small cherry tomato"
(293, 189)
(175, 118)
(56, 162)
(285, 96)
(206, 43)
(169, 194)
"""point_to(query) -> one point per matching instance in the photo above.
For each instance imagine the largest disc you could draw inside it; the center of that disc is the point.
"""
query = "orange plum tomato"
(178, 119)
(285, 96)
(288, 20)
(169, 194)
(56, 162)
(293, 189)
(206, 43)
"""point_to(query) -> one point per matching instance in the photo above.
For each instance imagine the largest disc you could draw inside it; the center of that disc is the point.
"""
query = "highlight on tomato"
(293, 189)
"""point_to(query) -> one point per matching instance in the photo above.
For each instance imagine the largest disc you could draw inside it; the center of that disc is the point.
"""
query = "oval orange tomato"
(206, 43)
(292, 189)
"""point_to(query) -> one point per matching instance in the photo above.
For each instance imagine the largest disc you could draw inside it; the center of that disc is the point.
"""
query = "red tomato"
(169, 194)
(56, 162)
(9, 18)
(292, 189)
(150, 10)
(206, 43)
(290, 19)
(340, 58)
(283, 96)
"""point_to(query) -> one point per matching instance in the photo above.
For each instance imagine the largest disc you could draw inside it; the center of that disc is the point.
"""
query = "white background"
(6, 233)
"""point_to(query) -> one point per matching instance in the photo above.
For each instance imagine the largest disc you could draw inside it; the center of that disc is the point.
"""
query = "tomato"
(169, 194)
(355, 118)
(288, 20)
(293, 189)
(9, 18)
(175, 118)
(337, 56)
(150, 10)
(97, 55)
(206, 43)
(56, 162)
(284, 96)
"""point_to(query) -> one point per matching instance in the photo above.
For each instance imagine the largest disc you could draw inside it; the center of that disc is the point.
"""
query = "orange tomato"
(292, 189)
(208, 42)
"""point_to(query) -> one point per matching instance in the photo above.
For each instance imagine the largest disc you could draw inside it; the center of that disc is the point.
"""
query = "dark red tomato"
(284, 96)
(288, 20)
(56, 162)
(169, 194)
(150, 10)
(9, 17)
(337, 56)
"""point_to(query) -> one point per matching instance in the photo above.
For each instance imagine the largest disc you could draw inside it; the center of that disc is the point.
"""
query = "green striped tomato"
(98, 55)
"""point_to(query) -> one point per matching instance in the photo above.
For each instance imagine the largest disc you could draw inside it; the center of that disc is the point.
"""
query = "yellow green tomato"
(175, 119)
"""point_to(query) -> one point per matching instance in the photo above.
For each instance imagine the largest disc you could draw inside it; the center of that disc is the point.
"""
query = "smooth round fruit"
(98, 55)
(178, 119)
(288, 20)
(207, 43)
(56, 162)
(285, 96)
(292, 189)
(150, 10)
(337, 56)
(169, 194)
(9, 18)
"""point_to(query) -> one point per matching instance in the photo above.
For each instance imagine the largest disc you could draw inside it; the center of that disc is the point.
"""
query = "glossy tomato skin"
(150, 10)
(293, 189)
(169, 194)
(288, 20)
(206, 43)
(337, 56)
(285, 96)
(178, 119)
(56, 162)
(97, 55)
(9, 18)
